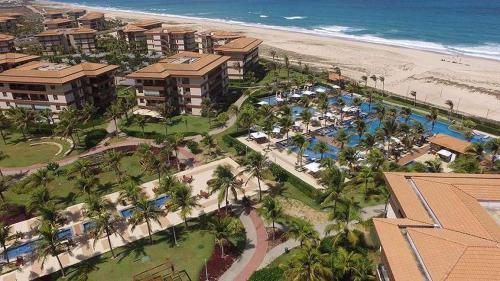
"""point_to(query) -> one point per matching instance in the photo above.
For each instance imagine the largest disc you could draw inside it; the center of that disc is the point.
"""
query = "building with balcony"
(244, 54)
(6, 43)
(182, 81)
(204, 42)
(82, 40)
(7, 23)
(93, 20)
(57, 24)
(221, 37)
(43, 85)
(12, 60)
(170, 40)
(63, 41)
(440, 227)
(75, 14)
(134, 33)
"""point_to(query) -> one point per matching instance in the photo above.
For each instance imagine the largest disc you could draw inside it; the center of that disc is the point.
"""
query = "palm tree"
(334, 180)
(341, 137)
(209, 141)
(301, 230)
(405, 113)
(476, 150)
(86, 185)
(271, 211)
(306, 116)
(493, 145)
(145, 212)
(5, 234)
(234, 110)
(166, 110)
(414, 95)
(382, 79)
(207, 108)
(345, 223)
(433, 117)
(345, 263)
(22, 118)
(114, 112)
(225, 229)
(141, 122)
(389, 126)
(255, 165)
(98, 210)
(311, 265)
(112, 161)
(433, 166)
(37, 198)
(363, 269)
(366, 175)
(302, 144)
(5, 184)
(68, 123)
(176, 141)
(49, 244)
(340, 104)
(82, 167)
(5, 124)
(130, 193)
(364, 78)
(182, 199)
(360, 126)
(374, 78)
(286, 123)
(380, 113)
(321, 147)
(286, 60)
(247, 118)
(450, 105)
(224, 182)
(41, 177)
(349, 156)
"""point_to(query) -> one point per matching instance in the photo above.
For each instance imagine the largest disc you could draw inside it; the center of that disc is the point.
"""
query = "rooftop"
(147, 23)
(446, 233)
(11, 14)
(450, 142)
(133, 28)
(240, 45)
(57, 21)
(5, 19)
(91, 16)
(54, 12)
(13, 58)
(219, 34)
(181, 64)
(175, 30)
(6, 37)
(51, 73)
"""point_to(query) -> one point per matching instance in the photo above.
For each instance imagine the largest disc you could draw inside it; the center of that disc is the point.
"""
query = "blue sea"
(457, 27)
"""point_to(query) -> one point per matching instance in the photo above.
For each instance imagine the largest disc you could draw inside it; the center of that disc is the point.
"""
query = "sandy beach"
(473, 84)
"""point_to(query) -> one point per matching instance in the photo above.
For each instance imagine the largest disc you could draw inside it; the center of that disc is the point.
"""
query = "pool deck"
(85, 248)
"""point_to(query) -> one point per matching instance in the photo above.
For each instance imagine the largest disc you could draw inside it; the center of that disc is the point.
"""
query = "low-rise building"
(93, 20)
(63, 41)
(444, 142)
(244, 53)
(182, 81)
(12, 60)
(43, 85)
(75, 14)
(57, 24)
(170, 40)
(6, 43)
(440, 227)
(7, 24)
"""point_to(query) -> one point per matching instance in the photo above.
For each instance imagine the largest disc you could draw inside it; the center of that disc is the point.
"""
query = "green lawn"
(194, 247)
(67, 194)
(188, 125)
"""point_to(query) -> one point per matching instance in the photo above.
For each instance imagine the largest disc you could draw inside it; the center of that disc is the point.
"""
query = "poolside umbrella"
(262, 103)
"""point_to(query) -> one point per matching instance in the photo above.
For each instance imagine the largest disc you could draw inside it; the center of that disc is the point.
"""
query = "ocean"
(458, 27)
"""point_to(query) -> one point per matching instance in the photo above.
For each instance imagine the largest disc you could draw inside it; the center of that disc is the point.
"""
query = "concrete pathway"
(254, 253)
(233, 118)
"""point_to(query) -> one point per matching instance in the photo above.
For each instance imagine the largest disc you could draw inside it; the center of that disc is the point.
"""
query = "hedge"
(267, 274)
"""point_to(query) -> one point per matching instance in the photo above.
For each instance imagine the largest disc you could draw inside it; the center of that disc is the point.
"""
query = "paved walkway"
(255, 251)
(414, 155)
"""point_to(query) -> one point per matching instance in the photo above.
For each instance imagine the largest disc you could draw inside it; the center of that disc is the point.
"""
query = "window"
(52, 87)
(141, 100)
(185, 80)
(55, 97)
(1, 84)
(139, 90)
(7, 103)
(58, 107)
(4, 94)
(187, 90)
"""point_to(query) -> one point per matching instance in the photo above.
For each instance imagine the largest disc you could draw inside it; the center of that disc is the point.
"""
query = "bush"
(267, 274)
(193, 146)
(94, 137)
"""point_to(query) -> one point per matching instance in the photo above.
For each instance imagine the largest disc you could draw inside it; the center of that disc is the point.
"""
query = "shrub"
(193, 146)
(267, 274)
(94, 137)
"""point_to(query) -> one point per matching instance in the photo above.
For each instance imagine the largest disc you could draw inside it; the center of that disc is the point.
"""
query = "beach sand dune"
(473, 84)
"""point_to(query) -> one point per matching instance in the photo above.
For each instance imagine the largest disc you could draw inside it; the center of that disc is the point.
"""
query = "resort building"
(75, 14)
(11, 60)
(220, 37)
(183, 81)
(57, 24)
(93, 20)
(244, 54)
(440, 227)
(54, 14)
(6, 43)
(135, 33)
(63, 41)
(170, 40)
(43, 85)
(204, 42)
(448, 147)
(7, 24)
(18, 16)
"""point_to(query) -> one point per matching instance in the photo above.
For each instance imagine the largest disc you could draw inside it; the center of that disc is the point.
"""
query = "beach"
(473, 84)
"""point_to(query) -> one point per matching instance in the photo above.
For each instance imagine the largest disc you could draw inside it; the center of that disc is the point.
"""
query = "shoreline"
(472, 83)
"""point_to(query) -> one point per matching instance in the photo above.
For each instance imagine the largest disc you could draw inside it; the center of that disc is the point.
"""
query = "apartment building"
(7, 23)
(204, 42)
(6, 43)
(135, 32)
(63, 41)
(183, 81)
(170, 40)
(12, 60)
(57, 24)
(75, 14)
(221, 37)
(93, 20)
(440, 227)
(244, 54)
(43, 85)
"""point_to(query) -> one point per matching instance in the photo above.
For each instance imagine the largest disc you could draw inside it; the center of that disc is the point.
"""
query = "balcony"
(382, 273)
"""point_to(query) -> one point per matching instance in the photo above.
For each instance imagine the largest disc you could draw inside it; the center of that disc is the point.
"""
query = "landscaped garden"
(187, 125)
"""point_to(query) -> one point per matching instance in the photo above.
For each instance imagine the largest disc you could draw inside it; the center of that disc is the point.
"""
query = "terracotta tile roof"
(91, 16)
(81, 30)
(147, 23)
(240, 45)
(11, 14)
(219, 34)
(5, 19)
(166, 30)
(133, 28)
(56, 21)
(332, 76)
(76, 11)
(6, 37)
(450, 142)
(13, 58)
(464, 241)
(181, 64)
(54, 12)
(50, 73)
(50, 32)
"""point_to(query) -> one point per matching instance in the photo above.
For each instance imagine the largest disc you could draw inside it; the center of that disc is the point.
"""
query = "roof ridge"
(455, 264)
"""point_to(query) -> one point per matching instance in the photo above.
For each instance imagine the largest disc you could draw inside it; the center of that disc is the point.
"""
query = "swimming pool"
(22, 249)
(159, 202)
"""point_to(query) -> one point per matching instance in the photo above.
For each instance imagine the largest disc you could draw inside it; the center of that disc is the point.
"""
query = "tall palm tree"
(50, 245)
(341, 137)
(340, 104)
(349, 156)
(364, 78)
(433, 166)
(224, 182)
(182, 199)
(234, 110)
(130, 193)
(271, 211)
(37, 198)
(141, 122)
(255, 165)
(374, 79)
(493, 145)
(41, 177)
(450, 105)
(5, 184)
(311, 265)
(22, 118)
(247, 118)
(306, 116)
(145, 212)
(166, 110)
(225, 229)
(334, 180)
(366, 175)
(360, 126)
(345, 263)
(286, 123)
(390, 127)
(112, 161)
(5, 234)
(82, 167)
(86, 185)
(5, 124)
(176, 140)
(380, 113)
(476, 150)
(346, 219)
(433, 117)
(68, 124)
(321, 147)
(301, 230)
(286, 61)
(414, 95)
(382, 79)
(405, 113)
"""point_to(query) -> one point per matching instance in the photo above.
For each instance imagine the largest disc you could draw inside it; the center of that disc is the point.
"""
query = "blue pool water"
(65, 233)
(159, 202)
(23, 249)
(88, 226)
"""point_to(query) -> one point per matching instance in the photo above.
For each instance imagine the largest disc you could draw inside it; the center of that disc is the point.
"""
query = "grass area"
(21, 153)
(194, 247)
(293, 192)
(64, 189)
(188, 125)
(124, 91)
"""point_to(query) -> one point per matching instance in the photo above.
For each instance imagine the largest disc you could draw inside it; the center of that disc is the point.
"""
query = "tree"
(286, 123)
(286, 60)
(225, 229)
(334, 180)
(68, 124)
(41, 178)
(306, 116)
(311, 265)
(465, 164)
(50, 244)
(38, 197)
(145, 212)
(382, 79)
(360, 126)
(182, 199)
(5, 184)
(114, 112)
(141, 122)
(321, 147)
(130, 193)
(86, 185)
(5, 235)
(390, 127)
(255, 165)
(112, 162)
(301, 230)
(366, 175)
(302, 144)
(346, 218)
(374, 79)
(234, 110)
(364, 78)
(414, 95)
(475, 150)
(22, 118)
(206, 109)
(341, 137)
(247, 118)
(349, 156)
(82, 167)
(450, 105)
(209, 141)
(271, 211)
(5, 124)
(224, 182)
(405, 113)
(433, 117)
(493, 145)
(166, 110)
(175, 141)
